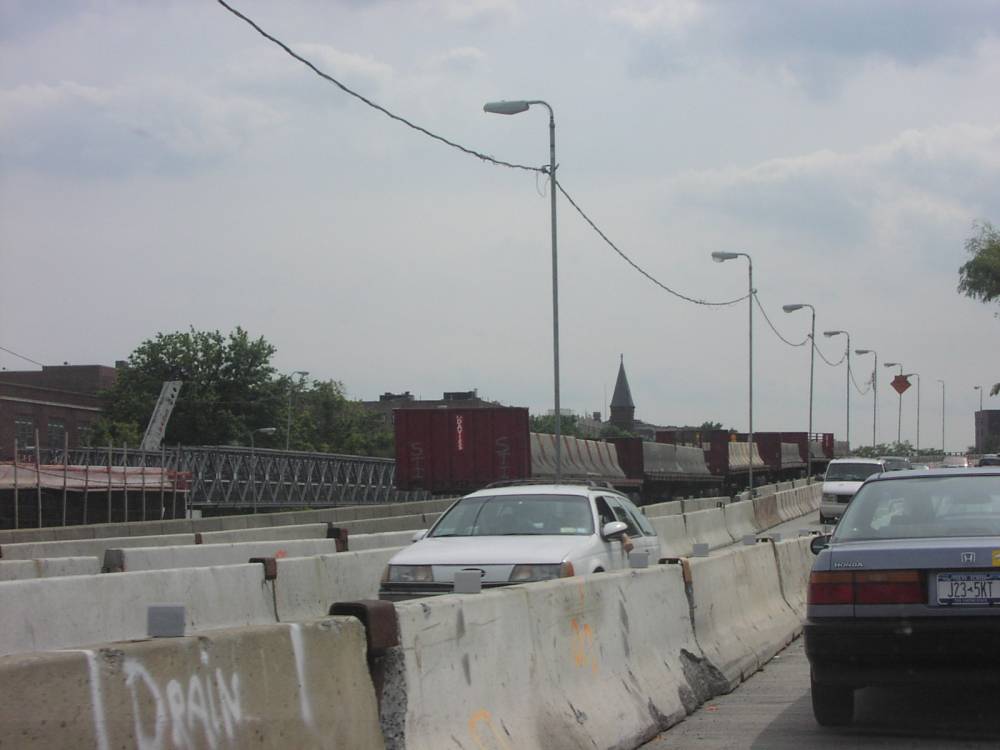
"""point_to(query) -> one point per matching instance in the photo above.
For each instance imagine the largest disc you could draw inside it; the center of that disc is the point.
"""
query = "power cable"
(21, 356)
(776, 333)
(832, 364)
(635, 265)
(370, 103)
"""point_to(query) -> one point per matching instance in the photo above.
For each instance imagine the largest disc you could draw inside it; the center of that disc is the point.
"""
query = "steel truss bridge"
(236, 477)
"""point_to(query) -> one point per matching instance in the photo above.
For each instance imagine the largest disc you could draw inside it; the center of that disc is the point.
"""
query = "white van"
(843, 478)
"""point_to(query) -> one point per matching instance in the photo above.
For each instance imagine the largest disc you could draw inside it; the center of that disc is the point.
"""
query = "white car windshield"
(514, 515)
(922, 508)
(858, 472)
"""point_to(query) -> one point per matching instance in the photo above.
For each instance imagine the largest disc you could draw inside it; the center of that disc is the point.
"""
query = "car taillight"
(868, 587)
(888, 587)
(831, 588)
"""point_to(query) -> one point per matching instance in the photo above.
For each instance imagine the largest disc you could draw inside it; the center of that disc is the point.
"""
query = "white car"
(843, 478)
(521, 533)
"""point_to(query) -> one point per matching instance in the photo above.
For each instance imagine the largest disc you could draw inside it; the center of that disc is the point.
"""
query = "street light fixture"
(899, 423)
(288, 420)
(253, 459)
(829, 334)
(720, 257)
(513, 108)
(812, 360)
(980, 389)
(860, 352)
(942, 415)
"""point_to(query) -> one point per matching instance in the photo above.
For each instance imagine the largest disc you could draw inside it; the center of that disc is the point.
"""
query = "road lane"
(772, 710)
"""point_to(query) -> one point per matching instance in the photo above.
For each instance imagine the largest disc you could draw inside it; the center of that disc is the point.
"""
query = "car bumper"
(832, 510)
(889, 651)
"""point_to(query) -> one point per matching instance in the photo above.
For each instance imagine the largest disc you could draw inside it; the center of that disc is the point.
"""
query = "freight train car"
(455, 451)
(666, 470)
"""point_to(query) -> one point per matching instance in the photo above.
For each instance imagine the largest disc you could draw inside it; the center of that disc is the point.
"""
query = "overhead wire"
(21, 356)
(635, 265)
(370, 103)
(804, 341)
(472, 152)
(832, 364)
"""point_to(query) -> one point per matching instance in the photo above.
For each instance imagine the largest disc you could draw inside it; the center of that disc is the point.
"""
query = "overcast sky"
(164, 166)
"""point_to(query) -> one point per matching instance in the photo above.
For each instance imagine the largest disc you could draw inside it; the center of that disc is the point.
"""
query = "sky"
(163, 166)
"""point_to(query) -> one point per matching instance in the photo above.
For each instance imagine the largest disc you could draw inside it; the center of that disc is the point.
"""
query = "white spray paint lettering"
(205, 705)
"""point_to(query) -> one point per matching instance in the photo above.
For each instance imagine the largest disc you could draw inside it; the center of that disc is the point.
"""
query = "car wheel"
(833, 705)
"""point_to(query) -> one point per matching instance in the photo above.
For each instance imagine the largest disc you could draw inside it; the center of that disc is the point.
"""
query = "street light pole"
(812, 360)
(899, 423)
(980, 389)
(917, 446)
(874, 393)
(828, 334)
(942, 414)
(513, 108)
(288, 421)
(720, 257)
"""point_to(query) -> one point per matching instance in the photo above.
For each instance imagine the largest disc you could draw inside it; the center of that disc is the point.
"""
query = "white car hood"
(492, 550)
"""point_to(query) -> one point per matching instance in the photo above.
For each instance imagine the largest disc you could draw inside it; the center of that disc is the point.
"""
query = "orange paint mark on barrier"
(584, 650)
(494, 740)
(280, 554)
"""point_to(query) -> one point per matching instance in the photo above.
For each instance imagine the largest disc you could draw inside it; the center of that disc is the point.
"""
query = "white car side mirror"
(613, 530)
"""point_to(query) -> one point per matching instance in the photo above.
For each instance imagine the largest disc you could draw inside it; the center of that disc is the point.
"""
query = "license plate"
(968, 588)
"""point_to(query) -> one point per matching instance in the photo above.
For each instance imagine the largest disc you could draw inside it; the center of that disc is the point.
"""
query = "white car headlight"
(410, 574)
(541, 572)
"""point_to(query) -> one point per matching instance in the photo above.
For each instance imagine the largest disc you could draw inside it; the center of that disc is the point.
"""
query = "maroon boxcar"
(459, 450)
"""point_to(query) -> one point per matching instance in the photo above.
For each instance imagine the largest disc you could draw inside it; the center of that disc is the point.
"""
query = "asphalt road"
(772, 711)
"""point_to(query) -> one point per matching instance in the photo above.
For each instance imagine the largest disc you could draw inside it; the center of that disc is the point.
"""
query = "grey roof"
(622, 397)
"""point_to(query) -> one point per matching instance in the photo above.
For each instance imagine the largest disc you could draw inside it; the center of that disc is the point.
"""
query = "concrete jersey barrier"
(708, 527)
(670, 508)
(765, 510)
(594, 661)
(741, 617)
(672, 532)
(702, 503)
(20, 570)
(794, 564)
(223, 523)
(740, 520)
(206, 555)
(72, 611)
(88, 547)
(306, 586)
(272, 687)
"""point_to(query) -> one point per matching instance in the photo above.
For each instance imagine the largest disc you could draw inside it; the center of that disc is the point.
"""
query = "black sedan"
(907, 589)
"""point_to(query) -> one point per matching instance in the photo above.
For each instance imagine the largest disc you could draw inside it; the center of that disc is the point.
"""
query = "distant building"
(622, 406)
(57, 401)
(453, 399)
(988, 431)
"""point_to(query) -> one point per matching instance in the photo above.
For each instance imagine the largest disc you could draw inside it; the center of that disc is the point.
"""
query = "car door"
(613, 551)
(649, 542)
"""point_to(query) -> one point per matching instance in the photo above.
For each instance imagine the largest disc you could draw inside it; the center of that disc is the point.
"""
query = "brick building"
(454, 399)
(57, 401)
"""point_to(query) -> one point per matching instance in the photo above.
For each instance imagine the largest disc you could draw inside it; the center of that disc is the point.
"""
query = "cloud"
(159, 126)
(460, 60)
(479, 13)
(889, 193)
(812, 45)
(660, 15)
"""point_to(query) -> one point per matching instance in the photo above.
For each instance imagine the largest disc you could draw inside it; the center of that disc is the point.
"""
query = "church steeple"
(622, 406)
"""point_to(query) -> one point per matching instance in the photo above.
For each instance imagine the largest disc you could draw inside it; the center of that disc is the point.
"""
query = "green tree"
(228, 388)
(547, 423)
(979, 277)
(325, 420)
(613, 430)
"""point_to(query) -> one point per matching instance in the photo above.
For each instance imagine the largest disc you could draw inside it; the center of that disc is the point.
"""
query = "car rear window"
(851, 472)
(515, 515)
(923, 507)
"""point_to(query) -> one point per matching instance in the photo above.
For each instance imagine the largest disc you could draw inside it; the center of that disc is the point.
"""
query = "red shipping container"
(446, 450)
